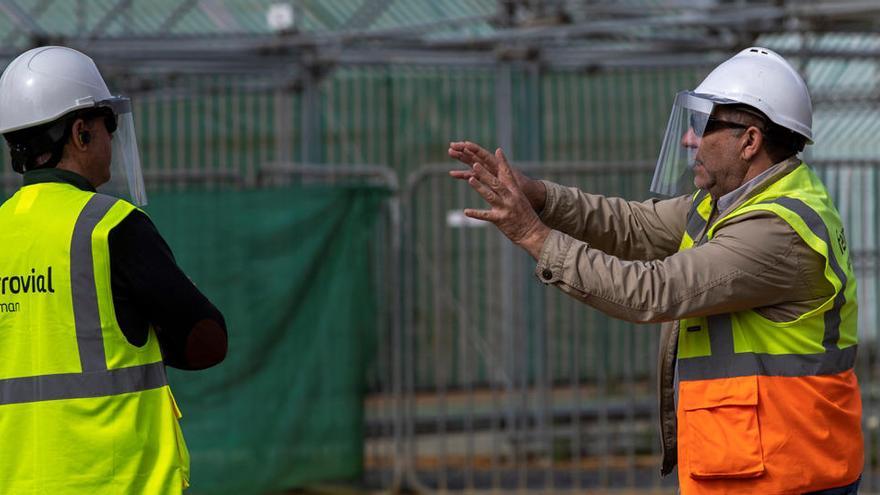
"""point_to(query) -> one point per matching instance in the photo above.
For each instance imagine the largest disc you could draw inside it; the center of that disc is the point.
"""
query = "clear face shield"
(674, 173)
(126, 179)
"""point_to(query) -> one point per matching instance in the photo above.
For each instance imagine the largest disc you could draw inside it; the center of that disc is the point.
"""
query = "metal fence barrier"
(511, 386)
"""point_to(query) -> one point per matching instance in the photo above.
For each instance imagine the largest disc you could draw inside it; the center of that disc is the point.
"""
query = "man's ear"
(79, 135)
(752, 140)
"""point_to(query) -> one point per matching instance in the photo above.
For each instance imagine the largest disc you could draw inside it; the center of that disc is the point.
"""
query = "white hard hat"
(756, 77)
(762, 79)
(43, 84)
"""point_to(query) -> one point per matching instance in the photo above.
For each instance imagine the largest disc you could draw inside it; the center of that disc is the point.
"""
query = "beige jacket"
(622, 258)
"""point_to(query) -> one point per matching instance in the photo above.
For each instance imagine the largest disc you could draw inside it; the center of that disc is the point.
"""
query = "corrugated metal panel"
(243, 16)
(207, 17)
(615, 116)
(197, 20)
(407, 12)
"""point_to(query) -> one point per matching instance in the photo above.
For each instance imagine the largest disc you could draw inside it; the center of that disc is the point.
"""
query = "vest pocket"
(720, 428)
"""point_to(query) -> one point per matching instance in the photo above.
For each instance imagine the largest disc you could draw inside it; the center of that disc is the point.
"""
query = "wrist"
(533, 241)
(537, 194)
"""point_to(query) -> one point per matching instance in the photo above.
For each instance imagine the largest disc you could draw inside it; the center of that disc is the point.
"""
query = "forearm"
(635, 291)
(728, 274)
(194, 347)
(627, 229)
(191, 330)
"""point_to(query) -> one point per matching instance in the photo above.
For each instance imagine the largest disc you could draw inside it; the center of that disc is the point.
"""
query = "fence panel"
(511, 386)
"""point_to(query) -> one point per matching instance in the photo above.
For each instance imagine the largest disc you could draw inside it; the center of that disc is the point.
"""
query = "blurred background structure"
(295, 154)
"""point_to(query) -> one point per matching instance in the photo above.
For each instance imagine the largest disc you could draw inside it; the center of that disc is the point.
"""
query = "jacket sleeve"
(149, 288)
(754, 261)
(630, 230)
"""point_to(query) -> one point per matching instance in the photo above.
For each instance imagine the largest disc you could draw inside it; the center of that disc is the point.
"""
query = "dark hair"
(779, 142)
(28, 145)
(782, 143)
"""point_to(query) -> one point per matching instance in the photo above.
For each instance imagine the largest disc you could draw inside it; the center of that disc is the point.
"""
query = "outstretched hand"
(510, 210)
(470, 153)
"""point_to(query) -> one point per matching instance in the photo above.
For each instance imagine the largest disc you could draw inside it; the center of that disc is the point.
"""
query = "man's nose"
(690, 139)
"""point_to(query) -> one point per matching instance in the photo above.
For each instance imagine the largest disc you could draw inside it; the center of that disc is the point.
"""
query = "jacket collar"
(738, 196)
(41, 175)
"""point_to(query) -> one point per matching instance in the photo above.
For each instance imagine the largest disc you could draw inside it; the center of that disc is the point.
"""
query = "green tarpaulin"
(289, 269)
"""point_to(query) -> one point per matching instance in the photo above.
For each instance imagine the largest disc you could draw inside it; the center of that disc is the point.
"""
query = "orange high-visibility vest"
(773, 407)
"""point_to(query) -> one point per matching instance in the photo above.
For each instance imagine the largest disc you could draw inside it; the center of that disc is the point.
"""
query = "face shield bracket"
(119, 104)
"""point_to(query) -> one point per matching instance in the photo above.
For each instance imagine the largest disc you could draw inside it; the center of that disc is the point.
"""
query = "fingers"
(504, 171)
(485, 167)
(480, 155)
(467, 157)
(485, 215)
(458, 151)
(471, 158)
(461, 174)
(469, 152)
(485, 177)
(466, 145)
(462, 156)
(489, 194)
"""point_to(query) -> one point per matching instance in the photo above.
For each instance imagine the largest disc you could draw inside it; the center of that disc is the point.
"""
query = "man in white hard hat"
(751, 272)
(92, 303)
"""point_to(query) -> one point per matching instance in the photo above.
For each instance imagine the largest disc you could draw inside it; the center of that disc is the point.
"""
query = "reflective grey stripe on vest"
(751, 363)
(696, 223)
(82, 284)
(95, 380)
(724, 363)
(720, 335)
(82, 385)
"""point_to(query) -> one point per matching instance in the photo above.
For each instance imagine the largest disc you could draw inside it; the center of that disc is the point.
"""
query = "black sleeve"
(149, 288)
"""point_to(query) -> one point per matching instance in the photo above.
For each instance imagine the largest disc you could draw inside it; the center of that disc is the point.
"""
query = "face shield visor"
(126, 179)
(690, 115)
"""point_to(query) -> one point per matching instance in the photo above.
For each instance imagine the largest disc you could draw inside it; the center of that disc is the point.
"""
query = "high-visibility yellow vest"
(773, 407)
(82, 411)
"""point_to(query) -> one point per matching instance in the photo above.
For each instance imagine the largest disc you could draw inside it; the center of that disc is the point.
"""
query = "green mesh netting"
(290, 271)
